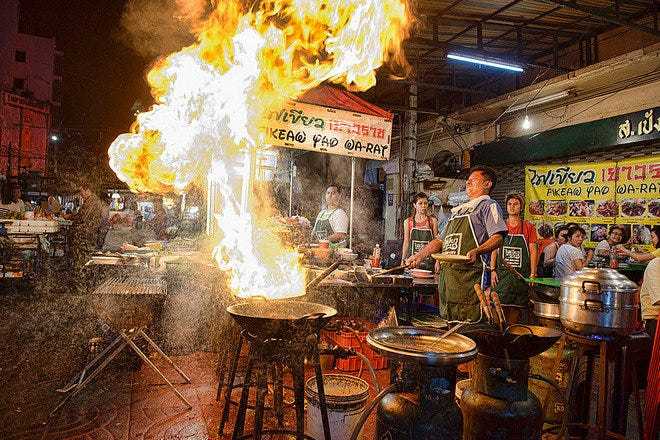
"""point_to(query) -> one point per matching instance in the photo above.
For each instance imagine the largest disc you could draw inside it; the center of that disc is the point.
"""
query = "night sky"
(102, 77)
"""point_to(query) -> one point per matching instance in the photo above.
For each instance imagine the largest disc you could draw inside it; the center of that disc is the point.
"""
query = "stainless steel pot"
(599, 301)
(546, 310)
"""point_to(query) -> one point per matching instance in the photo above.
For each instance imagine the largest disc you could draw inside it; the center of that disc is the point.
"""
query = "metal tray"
(422, 345)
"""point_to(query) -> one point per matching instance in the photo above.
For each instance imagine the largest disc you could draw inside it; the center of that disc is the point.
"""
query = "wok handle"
(596, 283)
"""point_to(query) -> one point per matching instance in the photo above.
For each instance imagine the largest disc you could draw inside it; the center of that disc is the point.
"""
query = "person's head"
(545, 231)
(333, 195)
(15, 193)
(421, 203)
(514, 204)
(655, 236)
(576, 236)
(561, 234)
(616, 235)
(480, 181)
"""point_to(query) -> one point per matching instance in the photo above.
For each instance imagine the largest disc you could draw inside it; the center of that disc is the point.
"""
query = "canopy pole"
(350, 219)
(291, 165)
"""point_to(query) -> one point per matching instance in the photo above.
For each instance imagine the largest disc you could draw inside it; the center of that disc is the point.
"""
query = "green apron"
(323, 229)
(420, 237)
(458, 301)
(510, 288)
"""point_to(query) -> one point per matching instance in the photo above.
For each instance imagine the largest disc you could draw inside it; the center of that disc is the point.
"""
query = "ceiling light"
(526, 123)
(485, 62)
(538, 101)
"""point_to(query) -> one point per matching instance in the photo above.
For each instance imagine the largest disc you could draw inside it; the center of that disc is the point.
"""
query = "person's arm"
(493, 220)
(489, 245)
(434, 227)
(640, 257)
(406, 241)
(494, 279)
(550, 253)
(432, 247)
(339, 223)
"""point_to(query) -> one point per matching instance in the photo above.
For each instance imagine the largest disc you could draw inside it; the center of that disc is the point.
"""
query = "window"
(19, 84)
(20, 56)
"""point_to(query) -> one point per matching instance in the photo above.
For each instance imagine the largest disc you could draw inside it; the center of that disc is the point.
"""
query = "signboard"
(597, 195)
(327, 130)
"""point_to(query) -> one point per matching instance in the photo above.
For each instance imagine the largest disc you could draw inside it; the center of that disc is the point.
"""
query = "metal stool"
(270, 357)
(604, 348)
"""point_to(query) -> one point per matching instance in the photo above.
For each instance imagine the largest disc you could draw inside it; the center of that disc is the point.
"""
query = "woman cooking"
(418, 230)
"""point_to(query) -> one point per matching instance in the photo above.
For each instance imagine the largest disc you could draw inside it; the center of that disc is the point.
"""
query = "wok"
(280, 318)
(517, 342)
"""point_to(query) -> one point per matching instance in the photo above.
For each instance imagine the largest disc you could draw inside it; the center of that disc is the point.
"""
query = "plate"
(421, 273)
(448, 258)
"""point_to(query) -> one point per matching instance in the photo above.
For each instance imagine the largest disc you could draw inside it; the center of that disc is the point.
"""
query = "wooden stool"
(604, 349)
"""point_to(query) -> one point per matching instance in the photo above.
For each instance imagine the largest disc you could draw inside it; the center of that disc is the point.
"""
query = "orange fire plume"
(210, 97)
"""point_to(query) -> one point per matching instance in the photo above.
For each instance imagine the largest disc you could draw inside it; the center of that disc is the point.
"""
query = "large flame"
(211, 96)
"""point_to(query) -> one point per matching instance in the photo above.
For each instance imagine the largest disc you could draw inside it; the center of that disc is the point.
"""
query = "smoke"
(154, 28)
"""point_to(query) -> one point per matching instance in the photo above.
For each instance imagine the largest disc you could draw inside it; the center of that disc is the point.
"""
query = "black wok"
(280, 318)
(517, 342)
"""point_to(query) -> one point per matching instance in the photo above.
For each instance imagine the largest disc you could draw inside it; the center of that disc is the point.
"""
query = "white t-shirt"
(339, 221)
(565, 260)
(602, 247)
(649, 293)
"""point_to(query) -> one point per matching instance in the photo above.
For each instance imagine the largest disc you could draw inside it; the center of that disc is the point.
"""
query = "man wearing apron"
(519, 250)
(418, 231)
(332, 223)
(474, 230)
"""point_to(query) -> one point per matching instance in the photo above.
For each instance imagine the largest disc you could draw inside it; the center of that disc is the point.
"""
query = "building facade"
(30, 83)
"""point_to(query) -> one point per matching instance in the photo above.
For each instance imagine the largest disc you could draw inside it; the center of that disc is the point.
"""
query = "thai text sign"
(596, 195)
(315, 128)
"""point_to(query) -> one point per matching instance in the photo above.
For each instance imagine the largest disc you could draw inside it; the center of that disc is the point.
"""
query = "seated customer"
(550, 251)
(570, 256)
(644, 256)
(614, 238)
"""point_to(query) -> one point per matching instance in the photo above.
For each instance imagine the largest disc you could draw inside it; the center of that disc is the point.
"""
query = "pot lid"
(590, 278)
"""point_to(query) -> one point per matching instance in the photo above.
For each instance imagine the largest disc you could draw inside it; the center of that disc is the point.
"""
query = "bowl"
(348, 257)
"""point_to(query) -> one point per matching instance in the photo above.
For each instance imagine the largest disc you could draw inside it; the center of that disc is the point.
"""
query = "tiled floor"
(133, 405)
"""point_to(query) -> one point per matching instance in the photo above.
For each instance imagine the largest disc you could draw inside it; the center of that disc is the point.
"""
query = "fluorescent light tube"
(485, 62)
(538, 101)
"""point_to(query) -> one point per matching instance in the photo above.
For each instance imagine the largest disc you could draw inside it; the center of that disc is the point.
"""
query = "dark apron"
(323, 229)
(420, 237)
(458, 301)
(510, 288)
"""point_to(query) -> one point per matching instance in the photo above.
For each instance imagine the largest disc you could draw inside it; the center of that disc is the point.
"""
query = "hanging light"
(485, 62)
(526, 123)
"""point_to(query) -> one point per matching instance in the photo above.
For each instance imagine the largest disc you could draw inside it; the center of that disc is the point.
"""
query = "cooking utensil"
(279, 318)
(449, 258)
(422, 344)
(512, 269)
(517, 342)
(452, 330)
(599, 301)
(320, 277)
(482, 302)
(391, 270)
(546, 310)
(363, 276)
(498, 308)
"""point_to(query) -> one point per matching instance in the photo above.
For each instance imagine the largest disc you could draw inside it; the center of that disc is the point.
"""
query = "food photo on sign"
(597, 196)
